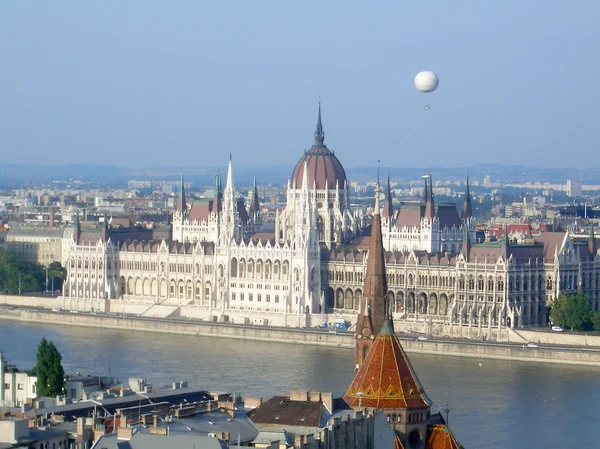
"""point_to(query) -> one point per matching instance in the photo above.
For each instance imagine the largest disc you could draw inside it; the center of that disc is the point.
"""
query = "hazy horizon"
(146, 83)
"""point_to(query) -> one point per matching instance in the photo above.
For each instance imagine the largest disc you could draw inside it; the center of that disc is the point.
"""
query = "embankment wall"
(298, 336)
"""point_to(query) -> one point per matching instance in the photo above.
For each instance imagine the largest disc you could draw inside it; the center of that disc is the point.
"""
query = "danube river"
(493, 404)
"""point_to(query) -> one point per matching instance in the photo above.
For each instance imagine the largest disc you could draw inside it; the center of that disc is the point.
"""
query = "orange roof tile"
(386, 379)
(439, 437)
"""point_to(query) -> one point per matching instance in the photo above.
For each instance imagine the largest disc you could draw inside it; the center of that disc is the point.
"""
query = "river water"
(493, 404)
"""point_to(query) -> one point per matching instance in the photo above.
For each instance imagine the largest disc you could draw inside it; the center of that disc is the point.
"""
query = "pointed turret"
(229, 216)
(319, 133)
(77, 230)
(429, 204)
(104, 231)
(467, 209)
(217, 200)
(466, 242)
(374, 309)
(388, 211)
(255, 205)
(181, 204)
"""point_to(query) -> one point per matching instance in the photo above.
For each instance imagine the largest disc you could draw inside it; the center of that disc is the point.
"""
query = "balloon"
(426, 81)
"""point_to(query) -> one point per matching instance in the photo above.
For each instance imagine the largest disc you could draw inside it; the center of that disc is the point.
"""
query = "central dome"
(324, 169)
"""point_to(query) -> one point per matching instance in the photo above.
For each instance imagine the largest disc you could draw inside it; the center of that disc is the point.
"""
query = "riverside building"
(218, 264)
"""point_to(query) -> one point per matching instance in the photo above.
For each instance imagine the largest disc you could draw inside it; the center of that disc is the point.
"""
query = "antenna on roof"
(447, 412)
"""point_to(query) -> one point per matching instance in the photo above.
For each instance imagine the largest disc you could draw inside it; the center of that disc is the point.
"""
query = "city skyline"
(130, 85)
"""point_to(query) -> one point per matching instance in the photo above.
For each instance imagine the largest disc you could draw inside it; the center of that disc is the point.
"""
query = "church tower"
(387, 381)
(467, 208)
(229, 218)
(374, 309)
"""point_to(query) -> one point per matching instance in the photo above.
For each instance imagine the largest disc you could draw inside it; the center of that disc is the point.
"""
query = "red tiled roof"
(552, 242)
(386, 379)
(439, 437)
(409, 216)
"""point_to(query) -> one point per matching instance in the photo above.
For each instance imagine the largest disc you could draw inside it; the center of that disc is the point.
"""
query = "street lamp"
(19, 283)
(46, 279)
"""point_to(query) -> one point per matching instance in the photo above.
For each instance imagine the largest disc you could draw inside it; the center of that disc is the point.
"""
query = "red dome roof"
(324, 169)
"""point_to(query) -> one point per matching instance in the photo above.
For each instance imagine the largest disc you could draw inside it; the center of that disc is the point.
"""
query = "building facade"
(219, 261)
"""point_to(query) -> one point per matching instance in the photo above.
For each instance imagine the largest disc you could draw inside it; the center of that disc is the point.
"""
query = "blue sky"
(186, 82)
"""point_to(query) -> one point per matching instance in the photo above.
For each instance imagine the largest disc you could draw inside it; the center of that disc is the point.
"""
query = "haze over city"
(144, 83)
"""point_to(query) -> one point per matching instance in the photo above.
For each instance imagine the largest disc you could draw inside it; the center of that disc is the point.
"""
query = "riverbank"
(462, 348)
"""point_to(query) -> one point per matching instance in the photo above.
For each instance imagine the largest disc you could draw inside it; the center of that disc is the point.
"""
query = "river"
(493, 404)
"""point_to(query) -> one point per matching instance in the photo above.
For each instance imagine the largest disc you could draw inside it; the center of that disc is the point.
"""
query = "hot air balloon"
(426, 82)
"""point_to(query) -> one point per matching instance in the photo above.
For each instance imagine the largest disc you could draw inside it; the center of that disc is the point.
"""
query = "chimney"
(80, 426)
(124, 433)
(155, 421)
(299, 396)
(314, 396)
(122, 421)
(327, 399)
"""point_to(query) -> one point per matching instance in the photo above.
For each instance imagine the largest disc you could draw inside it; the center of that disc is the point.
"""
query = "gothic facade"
(314, 263)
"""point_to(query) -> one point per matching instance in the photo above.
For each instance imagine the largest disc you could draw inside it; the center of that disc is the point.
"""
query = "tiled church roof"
(386, 379)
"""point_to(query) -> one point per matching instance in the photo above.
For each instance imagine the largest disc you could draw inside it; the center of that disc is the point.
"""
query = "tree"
(573, 312)
(49, 370)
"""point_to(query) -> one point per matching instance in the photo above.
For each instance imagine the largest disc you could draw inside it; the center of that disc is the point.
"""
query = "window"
(19, 386)
(73, 392)
(7, 386)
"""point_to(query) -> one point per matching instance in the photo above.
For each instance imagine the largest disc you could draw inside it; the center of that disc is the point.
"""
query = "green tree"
(49, 370)
(572, 312)
(596, 321)
(33, 276)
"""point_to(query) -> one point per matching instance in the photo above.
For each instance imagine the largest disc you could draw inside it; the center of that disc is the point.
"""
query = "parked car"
(557, 329)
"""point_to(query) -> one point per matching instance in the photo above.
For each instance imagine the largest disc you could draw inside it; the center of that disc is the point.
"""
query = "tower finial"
(319, 134)
(377, 195)
(378, 167)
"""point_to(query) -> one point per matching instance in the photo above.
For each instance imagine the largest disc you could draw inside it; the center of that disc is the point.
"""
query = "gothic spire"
(388, 211)
(181, 205)
(374, 309)
(429, 204)
(467, 209)
(255, 205)
(319, 133)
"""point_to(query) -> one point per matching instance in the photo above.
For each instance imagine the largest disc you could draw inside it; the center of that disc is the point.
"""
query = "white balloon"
(426, 81)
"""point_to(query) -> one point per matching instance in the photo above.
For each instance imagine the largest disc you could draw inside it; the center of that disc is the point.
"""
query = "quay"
(543, 351)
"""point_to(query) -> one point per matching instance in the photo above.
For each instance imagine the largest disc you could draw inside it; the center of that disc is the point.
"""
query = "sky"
(185, 83)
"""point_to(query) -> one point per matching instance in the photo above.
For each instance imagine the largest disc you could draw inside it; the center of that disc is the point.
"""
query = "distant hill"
(19, 175)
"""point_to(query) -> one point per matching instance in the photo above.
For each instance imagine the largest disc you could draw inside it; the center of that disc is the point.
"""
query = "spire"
(388, 211)
(374, 309)
(466, 243)
(429, 205)
(229, 183)
(181, 205)
(217, 203)
(77, 231)
(376, 210)
(467, 210)
(319, 134)
(104, 230)
(255, 205)
(506, 248)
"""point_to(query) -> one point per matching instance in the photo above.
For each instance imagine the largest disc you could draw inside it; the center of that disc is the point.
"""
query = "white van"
(557, 329)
